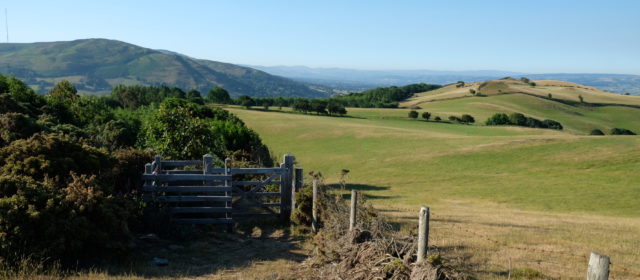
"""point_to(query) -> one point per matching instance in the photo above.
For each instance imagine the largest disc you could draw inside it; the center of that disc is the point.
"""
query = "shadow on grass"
(362, 188)
(210, 252)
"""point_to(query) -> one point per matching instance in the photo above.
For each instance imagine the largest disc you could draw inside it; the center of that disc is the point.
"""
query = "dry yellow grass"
(558, 89)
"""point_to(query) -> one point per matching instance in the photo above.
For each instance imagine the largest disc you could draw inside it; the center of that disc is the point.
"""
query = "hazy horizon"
(535, 37)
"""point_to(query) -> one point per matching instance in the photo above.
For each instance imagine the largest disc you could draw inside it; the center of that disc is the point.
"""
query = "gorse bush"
(70, 165)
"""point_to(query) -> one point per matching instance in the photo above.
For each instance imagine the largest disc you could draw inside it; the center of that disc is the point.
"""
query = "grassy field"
(500, 196)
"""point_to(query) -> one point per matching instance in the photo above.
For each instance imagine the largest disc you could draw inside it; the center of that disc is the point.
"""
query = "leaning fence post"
(423, 233)
(314, 207)
(598, 267)
(353, 214)
(286, 187)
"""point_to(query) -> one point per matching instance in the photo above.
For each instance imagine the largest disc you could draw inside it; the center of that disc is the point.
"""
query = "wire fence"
(617, 270)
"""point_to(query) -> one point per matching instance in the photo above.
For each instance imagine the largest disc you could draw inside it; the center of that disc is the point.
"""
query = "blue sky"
(525, 36)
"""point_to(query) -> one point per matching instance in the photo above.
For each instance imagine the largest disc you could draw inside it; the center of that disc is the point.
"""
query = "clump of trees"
(70, 165)
(621, 131)
(465, 119)
(522, 120)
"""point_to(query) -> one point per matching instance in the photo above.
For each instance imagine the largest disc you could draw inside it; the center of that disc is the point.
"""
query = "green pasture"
(401, 162)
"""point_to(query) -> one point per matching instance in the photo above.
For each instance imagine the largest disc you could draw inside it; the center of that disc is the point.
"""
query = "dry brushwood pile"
(371, 251)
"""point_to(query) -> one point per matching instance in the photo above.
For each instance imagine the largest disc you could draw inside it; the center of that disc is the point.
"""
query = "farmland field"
(502, 197)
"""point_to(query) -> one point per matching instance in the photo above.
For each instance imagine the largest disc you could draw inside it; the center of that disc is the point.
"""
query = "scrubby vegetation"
(71, 165)
(522, 120)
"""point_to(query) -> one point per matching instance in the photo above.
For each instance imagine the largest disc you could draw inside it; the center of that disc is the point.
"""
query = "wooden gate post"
(157, 164)
(286, 187)
(598, 267)
(297, 186)
(423, 234)
(228, 204)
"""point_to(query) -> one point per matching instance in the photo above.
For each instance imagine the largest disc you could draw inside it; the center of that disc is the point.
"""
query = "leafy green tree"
(552, 124)
(64, 90)
(498, 119)
(177, 131)
(246, 101)
(413, 114)
(219, 95)
(318, 106)
(517, 119)
(426, 116)
(466, 118)
(302, 105)
(194, 96)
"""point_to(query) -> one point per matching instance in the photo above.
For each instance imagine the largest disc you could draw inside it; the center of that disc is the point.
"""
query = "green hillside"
(599, 110)
(96, 65)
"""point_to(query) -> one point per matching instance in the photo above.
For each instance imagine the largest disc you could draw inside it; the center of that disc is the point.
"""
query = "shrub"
(498, 119)
(437, 118)
(622, 131)
(65, 224)
(454, 118)
(552, 124)
(596, 132)
(472, 91)
(426, 115)
(517, 119)
(413, 114)
(581, 98)
(466, 118)
(15, 126)
(53, 157)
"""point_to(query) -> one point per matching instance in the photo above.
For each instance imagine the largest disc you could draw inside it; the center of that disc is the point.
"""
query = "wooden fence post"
(285, 189)
(598, 267)
(157, 164)
(314, 207)
(423, 234)
(353, 213)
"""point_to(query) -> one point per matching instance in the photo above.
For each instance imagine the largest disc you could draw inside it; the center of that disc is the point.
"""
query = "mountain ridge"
(97, 65)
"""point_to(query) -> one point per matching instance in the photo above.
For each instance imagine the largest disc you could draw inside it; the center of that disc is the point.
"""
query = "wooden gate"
(195, 192)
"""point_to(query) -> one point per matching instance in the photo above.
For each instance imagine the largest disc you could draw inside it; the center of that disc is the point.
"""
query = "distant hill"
(548, 99)
(96, 65)
(357, 80)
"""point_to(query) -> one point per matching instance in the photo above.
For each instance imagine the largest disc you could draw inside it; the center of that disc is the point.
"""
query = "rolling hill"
(96, 65)
(599, 109)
